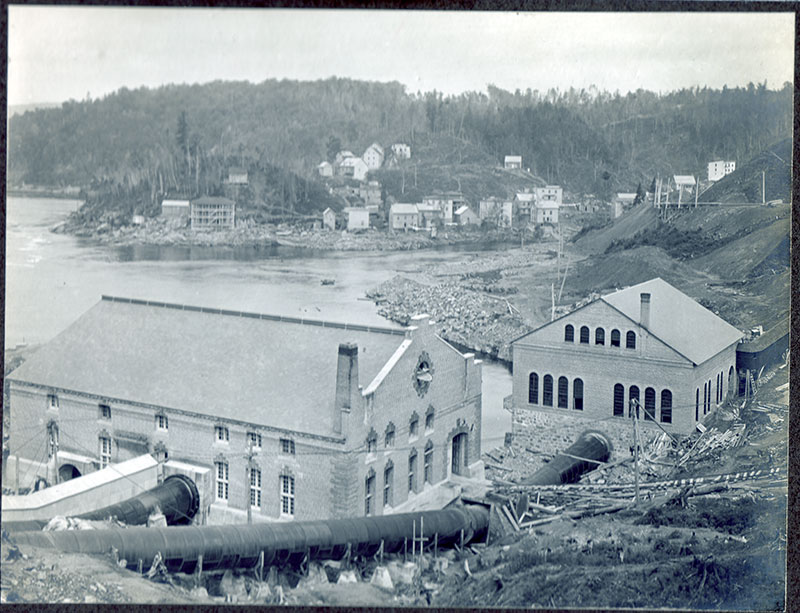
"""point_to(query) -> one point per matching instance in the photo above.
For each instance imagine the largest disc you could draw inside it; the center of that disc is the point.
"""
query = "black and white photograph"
(397, 308)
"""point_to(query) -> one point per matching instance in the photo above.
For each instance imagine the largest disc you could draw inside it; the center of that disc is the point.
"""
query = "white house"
(175, 208)
(447, 202)
(353, 167)
(549, 193)
(373, 156)
(403, 215)
(545, 211)
(401, 151)
(497, 210)
(465, 216)
(357, 218)
(720, 168)
(325, 169)
(512, 161)
(237, 176)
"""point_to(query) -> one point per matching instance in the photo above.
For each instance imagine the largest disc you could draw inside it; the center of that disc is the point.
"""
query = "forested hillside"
(179, 138)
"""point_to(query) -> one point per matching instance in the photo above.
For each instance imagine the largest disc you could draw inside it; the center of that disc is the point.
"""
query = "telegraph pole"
(53, 430)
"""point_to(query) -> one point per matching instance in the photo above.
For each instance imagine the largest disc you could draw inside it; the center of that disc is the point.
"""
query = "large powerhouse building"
(649, 342)
(297, 418)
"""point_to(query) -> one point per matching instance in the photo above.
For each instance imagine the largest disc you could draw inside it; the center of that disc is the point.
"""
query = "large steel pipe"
(240, 546)
(583, 455)
(177, 498)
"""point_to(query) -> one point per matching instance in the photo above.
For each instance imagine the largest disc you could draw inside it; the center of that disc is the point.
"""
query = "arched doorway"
(67, 472)
(459, 454)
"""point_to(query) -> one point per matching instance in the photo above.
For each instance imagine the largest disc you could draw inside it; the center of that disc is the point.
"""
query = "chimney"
(346, 382)
(644, 313)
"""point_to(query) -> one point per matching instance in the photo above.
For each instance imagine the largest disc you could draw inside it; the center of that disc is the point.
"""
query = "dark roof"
(262, 369)
(213, 200)
(775, 333)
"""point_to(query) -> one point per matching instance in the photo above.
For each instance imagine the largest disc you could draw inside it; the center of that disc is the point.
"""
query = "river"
(51, 279)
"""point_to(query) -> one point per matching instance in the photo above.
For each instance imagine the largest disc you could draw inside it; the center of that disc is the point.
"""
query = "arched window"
(615, 338)
(389, 436)
(666, 406)
(369, 492)
(429, 462)
(413, 426)
(633, 394)
(584, 334)
(533, 388)
(619, 400)
(650, 404)
(697, 404)
(569, 334)
(412, 471)
(563, 393)
(577, 394)
(388, 483)
(705, 398)
(630, 340)
(372, 442)
(547, 391)
(599, 336)
(429, 419)
(716, 391)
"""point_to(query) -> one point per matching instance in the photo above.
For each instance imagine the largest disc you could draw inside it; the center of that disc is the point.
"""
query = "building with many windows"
(300, 419)
(212, 213)
(648, 344)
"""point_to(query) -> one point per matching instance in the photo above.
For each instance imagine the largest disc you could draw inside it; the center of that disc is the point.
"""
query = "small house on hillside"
(354, 168)
(403, 216)
(213, 213)
(512, 162)
(465, 216)
(325, 169)
(429, 214)
(237, 176)
(370, 193)
(373, 156)
(549, 193)
(545, 211)
(524, 202)
(720, 168)
(329, 219)
(342, 156)
(401, 151)
(175, 209)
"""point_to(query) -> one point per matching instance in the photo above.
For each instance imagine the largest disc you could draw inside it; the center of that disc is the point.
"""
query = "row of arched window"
(389, 436)
(585, 336)
(388, 478)
(649, 411)
(562, 396)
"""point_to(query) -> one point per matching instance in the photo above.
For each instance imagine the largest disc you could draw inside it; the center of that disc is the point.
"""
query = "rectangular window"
(254, 440)
(105, 411)
(287, 495)
(255, 488)
(222, 480)
(105, 451)
(52, 401)
(162, 423)
(369, 493)
(287, 446)
(221, 434)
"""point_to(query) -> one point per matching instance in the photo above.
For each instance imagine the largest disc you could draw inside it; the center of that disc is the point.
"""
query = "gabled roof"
(403, 208)
(513, 158)
(323, 163)
(327, 210)
(684, 179)
(461, 210)
(676, 319)
(375, 146)
(353, 161)
(263, 369)
(174, 203)
(525, 196)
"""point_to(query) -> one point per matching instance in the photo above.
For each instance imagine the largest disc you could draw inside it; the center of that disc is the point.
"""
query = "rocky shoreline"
(465, 317)
(168, 233)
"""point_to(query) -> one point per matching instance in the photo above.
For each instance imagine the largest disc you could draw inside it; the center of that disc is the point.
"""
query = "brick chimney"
(644, 312)
(346, 382)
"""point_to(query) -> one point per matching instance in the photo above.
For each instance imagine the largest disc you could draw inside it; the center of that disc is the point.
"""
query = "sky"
(61, 53)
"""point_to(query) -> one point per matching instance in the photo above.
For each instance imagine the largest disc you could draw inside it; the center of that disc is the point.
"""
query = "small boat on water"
(328, 281)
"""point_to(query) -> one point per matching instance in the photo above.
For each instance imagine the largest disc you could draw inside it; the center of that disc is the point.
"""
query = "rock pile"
(465, 317)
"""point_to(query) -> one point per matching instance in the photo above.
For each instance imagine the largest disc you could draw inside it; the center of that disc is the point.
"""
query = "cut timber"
(510, 518)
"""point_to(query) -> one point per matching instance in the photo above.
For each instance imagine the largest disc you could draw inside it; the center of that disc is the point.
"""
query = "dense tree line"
(180, 138)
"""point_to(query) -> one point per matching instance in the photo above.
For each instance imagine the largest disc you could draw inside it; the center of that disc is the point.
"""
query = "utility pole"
(696, 190)
(52, 428)
(763, 186)
(634, 410)
(553, 297)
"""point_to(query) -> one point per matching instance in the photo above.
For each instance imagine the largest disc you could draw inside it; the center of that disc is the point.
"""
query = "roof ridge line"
(265, 316)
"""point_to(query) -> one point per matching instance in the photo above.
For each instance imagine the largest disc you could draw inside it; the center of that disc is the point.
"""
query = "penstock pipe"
(282, 543)
(578, 458)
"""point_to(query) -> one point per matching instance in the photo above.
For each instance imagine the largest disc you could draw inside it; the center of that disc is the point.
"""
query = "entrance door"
(459, 462)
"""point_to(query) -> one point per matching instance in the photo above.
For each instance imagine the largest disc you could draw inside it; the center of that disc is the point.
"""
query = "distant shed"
(175, 208)
(763, 350)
